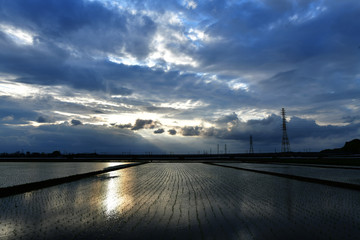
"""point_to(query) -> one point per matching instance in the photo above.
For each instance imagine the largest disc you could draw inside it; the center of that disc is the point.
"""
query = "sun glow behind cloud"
(162, 52)
(188, 104)
(17, 90)
(18, 35)
(180, 64)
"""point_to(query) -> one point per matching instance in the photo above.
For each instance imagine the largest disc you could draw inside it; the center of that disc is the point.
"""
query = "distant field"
(296, 157)
(182, 201)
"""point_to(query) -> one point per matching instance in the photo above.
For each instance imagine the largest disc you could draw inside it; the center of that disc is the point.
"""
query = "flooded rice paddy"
(16, 173)
(332, 173)
(182, 201)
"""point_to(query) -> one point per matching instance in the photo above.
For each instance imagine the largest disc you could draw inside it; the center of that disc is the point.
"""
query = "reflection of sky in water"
(186, 201)
(333, 174)
(113, 198)
(7, 228)
(116, 195)
(39, 171)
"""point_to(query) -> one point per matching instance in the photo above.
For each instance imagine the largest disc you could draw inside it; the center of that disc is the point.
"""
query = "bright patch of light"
(254, 114)
(8, 227)
(190, 4)
(306, 16)
(128, 60)
(161, 51)
(189, 104)
(326, 123)
(69, 114)
(86, 100)
(171, 123)
(236, 85)
(354, 107)
(113, 200)
(170, 17)
(198, 35)
(18, 35)
(18, 90)
(36, 124)
(125, 118)
(166, 43)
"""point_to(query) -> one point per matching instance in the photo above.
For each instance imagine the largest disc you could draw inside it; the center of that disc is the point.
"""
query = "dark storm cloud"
(64, 29)
(142, 123)
(172, 131)
(15, 111)
(248, 42)
(112, 88)
(305, 48)
(53, 63)
(263, 32)
(128, 125)
(159, 131)
(351, 119)
(267, 133)
(75, 122)
(84, 72)
(302, 54)
(40, 108)
(227, 119)
(42, 119)
(81, 24)
(191, 131)
(65, 138)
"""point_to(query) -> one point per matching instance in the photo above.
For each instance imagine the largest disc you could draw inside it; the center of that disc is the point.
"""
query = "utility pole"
(225, 149)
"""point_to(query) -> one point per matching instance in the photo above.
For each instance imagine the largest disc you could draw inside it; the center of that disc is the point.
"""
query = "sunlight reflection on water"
(195, 201)
(7, 228)
(116, 196)
(113, 199)
(40, 171)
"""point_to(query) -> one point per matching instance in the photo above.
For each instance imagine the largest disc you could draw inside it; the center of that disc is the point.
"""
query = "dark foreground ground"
(182, 201)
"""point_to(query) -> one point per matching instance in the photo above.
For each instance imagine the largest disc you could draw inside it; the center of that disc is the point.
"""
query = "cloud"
(141, 123)
(42, 119)
(191, 131)
(159, 131)
(66, 42)
(128, 125)
(227, 119)
(80, 26)
(267, 133)
(8, 118)
(67, 139)
(230, 64)
(172, 131)
(15, 111)
(75, 122)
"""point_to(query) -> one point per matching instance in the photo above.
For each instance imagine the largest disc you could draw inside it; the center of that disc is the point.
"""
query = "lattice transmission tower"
(285, 144)
(251, 150)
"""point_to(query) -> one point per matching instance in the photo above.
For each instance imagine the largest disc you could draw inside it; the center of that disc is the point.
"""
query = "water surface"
(338, 174)
(182, 201)
(15, 173)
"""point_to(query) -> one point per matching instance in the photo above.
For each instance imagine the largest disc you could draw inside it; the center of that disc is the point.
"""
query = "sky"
(178, 76)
